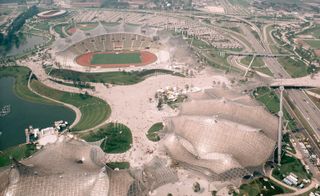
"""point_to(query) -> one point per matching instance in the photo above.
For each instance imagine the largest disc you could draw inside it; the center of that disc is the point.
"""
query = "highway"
(302, 102)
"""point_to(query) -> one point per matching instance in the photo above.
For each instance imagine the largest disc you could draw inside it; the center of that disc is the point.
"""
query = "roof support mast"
(280, 126)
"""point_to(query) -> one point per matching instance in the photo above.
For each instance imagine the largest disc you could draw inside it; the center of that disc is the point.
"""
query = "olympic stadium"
(110, 47)
(222, 134)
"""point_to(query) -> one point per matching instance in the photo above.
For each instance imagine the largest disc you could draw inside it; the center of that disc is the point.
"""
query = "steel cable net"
(101, 31)
(221, 134)
(74, 167)
(68, 167)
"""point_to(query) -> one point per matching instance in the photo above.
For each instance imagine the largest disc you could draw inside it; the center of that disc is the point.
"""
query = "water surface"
(24, 113)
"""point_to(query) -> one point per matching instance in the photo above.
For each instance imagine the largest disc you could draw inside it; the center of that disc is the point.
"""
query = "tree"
(160, 102)
(196, 187)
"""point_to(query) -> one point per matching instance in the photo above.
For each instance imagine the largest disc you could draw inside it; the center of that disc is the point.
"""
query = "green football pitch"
(121, 58)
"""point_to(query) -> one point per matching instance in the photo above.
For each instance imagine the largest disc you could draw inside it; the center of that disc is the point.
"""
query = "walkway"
(75, 109)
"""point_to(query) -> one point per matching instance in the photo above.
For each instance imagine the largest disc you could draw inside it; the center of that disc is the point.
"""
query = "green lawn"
(264, 70)
(18, 152)
(58, 29)
(314, 31)
(295, 68)
(79, 84)
(118, 138)
(198, 43)
(96, 135)
(287, 142)
(257, 62)
(152, 134)
(313, 43)
(271, 101)
(244, 3)
(44, 25)
(256, 187)
(121, 78)
(93, 110)
(119, 165)
(268, 98)
(290, 164)
(21, 74)
(121, 58)
(218, 61)
(255, 34)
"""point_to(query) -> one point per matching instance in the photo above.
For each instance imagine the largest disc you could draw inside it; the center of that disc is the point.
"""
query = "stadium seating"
(109, 42)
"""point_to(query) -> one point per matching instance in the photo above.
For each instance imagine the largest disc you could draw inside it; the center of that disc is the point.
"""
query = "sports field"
(116, 58)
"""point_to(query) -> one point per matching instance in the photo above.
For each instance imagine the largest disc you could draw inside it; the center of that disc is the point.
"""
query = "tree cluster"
(14, 35)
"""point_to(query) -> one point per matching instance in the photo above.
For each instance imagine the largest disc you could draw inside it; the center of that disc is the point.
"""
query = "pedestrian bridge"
(256, 54)
(311, 81)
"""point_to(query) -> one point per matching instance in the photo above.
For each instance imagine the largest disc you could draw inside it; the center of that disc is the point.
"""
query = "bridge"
(256, 54)
(311, 81)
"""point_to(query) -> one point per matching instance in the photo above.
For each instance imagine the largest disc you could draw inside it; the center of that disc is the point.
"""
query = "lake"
(24, 113)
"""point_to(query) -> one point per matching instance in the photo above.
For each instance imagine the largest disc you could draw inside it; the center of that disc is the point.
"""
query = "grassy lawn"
(271, 101)
(152, 134)
(243, 3)
(255, 34)
(43, 26)
(256, 187)
(290, 164)
(21, 74)
(118, 138)
(58, 29)
(314, 31)
(294, 68)
(80, 85)
(121, 58)
(18, 152)
(287, 142)
(268, 98)
(236, 29)
(217, 61)
(119, 165)
(313, 43)
(264, 70)
(97, 135)
(121, 78)
(257, 62)
(198, 43)
(93, 110)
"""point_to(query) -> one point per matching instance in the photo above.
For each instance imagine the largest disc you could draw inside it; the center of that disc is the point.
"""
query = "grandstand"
(222, 138)
(106, 39)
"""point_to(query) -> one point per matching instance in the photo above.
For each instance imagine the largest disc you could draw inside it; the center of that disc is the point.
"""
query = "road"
(299, 98)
